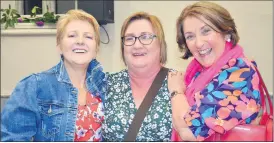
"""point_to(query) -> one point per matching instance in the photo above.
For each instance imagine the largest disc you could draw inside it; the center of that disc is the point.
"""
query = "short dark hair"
(157, 27)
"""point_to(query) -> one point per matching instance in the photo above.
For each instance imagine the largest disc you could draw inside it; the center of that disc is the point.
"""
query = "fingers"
(175, 73)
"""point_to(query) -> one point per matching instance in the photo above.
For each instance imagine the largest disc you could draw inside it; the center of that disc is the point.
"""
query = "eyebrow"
(200, 29)
(129, 34)
(142, 33)
(146, 33)
(74, 31)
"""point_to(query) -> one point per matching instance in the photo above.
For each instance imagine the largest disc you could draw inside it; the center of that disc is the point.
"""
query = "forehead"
(136, 27)
(79, 25)
(192, 23)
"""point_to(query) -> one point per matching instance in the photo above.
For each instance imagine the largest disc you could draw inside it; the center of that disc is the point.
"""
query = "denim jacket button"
(49, 111)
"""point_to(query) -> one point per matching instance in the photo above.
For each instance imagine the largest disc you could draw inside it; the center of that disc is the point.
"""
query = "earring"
(227, 37)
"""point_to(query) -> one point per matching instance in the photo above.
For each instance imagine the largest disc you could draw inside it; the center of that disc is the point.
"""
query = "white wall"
(253, 19)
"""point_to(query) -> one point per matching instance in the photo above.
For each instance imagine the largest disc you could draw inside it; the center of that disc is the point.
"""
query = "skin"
(199, 37)
(79, 35)
(151, 51)
(207, 46)
(143, 61)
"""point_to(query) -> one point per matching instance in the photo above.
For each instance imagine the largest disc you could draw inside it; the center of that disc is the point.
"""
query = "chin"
(81, 62)
(138, 65)
(207, 64)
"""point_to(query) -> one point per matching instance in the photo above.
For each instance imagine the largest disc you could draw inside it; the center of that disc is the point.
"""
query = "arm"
(20, 114)
(179, 105)
(228, 99)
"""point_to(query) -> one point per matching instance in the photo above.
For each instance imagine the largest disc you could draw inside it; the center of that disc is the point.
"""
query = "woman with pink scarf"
(219, 89)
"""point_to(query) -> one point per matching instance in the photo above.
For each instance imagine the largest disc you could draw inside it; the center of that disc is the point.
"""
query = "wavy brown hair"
(219, 18)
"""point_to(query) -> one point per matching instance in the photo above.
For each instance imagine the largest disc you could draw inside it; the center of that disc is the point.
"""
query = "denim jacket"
(43, 106)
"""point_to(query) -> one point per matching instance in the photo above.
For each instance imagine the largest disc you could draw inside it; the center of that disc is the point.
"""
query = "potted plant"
(12, 19)
(9, 17)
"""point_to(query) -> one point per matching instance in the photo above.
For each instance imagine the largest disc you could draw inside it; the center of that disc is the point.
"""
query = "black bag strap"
(145, 105)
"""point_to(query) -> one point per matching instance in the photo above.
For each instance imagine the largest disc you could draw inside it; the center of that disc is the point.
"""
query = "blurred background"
(29, 49)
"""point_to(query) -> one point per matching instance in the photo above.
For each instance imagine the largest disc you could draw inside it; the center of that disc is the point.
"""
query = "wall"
(22, 55)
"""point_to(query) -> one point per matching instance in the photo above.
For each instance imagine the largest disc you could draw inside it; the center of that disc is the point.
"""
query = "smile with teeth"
(139, 54)
(205, 51)
(79, 51)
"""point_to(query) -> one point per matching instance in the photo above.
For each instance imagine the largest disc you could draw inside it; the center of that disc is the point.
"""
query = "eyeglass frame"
(135, 38)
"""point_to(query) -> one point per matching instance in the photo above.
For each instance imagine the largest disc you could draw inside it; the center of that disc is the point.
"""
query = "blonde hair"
(77, 15)
(214, 13)
(157, 27)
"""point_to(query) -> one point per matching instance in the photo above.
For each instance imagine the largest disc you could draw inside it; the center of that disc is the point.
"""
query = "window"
(29, 4)
(24, 7)
(63, 6)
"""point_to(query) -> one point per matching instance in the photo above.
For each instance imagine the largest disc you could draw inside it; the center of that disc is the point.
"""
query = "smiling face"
(204, 43)
(139, 55)
(78, 45)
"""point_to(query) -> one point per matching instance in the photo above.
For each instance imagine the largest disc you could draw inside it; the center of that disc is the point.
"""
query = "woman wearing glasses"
(143, 49)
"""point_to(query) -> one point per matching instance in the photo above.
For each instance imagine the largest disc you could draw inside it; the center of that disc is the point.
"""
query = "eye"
(89, 37)
(146, 37)
(71, 35)
(206, 31)
(129, 38)
(189, 37)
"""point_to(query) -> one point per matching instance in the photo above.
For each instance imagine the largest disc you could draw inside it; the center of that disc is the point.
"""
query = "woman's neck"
(143, 76)
(77, 74)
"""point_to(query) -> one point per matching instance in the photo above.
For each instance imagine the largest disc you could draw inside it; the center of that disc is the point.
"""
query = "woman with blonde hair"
(220, 88)
(63, 103)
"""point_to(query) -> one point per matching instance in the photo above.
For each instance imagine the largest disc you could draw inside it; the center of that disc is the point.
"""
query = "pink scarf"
(206, 76)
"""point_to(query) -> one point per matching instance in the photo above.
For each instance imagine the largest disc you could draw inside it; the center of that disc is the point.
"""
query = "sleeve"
(230, 98)
(20, 114)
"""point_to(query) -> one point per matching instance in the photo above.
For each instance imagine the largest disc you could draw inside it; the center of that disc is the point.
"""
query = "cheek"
(64, 48)
(217, 44)
(191, 47)
(65, 45)
(154, 47)
(127, 50)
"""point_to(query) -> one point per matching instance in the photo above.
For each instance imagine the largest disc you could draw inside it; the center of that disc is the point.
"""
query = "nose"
(199, 42)
(137, 44)
(80, 40)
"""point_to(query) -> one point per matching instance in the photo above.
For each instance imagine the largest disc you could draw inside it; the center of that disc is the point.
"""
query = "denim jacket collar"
(95, 78)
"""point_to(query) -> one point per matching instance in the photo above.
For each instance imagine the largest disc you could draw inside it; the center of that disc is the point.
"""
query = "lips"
(139, 54)
(79, 50)
(205, 51)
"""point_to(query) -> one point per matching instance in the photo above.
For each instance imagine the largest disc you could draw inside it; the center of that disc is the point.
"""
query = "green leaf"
(2, 20)
(15, 21)
(6, 26)
(7, 11)
(10, 23)
(34, 9)
(14, 11)
(31, 14)
(17, 15)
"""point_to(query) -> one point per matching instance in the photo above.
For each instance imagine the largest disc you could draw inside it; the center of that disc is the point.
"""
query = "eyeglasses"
(145, 39)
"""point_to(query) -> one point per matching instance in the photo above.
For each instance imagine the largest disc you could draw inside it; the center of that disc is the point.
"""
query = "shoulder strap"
(144, 107)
